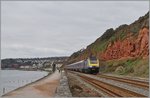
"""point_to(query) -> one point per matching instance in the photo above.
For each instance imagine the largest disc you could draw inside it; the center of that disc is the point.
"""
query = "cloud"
(50, 28)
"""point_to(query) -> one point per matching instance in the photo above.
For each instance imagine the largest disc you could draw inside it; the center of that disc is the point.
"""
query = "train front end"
(93, 65)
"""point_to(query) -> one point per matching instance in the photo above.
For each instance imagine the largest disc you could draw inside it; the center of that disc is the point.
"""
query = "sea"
(13, 79)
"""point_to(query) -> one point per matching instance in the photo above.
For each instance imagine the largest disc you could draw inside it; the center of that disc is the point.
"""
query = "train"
(89, 65)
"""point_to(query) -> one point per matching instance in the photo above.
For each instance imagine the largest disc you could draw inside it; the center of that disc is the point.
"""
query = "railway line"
(136, 83)
(112, 90)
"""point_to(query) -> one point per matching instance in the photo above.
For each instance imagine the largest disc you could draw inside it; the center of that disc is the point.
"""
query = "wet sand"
(43, 88)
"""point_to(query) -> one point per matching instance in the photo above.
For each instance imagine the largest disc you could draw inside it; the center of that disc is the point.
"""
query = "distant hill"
(17, 62)
(123, 50)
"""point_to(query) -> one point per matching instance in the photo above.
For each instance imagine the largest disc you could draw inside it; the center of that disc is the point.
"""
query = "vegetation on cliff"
(126, 48)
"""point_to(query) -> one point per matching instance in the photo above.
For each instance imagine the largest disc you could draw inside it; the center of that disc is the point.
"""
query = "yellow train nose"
(94, 65)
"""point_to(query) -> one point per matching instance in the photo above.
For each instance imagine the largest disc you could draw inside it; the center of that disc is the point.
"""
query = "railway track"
(137, 83)
(109, 89)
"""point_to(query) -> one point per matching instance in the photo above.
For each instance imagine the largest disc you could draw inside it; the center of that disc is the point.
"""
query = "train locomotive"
(89, 65)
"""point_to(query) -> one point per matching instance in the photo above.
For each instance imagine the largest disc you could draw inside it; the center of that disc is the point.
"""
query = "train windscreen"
(93, 60)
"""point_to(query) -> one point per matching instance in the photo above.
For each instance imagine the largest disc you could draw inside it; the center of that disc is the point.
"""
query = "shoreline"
(21, 87)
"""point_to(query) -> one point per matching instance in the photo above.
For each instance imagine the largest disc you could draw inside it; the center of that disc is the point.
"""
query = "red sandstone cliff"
(129, 47)
(123, 42)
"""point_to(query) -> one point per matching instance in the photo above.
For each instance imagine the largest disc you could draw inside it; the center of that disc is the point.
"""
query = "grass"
(134, 67)
(101, 47)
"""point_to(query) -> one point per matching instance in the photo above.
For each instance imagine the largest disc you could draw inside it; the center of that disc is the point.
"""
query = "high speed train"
(89, 65)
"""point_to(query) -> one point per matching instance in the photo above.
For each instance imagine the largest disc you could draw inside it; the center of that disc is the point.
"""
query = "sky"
(59, 28)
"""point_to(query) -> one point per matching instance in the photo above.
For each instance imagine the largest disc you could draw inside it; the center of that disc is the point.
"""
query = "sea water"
(13, 79)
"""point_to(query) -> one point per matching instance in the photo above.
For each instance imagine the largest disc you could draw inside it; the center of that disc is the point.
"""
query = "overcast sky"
(59, 28)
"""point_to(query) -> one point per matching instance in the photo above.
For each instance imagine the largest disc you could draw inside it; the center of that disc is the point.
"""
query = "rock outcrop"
(129, 47)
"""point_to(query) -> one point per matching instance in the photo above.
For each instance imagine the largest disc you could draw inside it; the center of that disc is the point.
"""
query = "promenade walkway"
(43, 88)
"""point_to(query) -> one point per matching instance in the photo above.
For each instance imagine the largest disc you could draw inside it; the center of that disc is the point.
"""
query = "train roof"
(75, 63)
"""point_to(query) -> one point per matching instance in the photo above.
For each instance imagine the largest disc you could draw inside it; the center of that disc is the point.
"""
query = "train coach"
(89, 65)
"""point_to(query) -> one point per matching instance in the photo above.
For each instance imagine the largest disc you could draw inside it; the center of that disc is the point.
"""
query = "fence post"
(3, 90)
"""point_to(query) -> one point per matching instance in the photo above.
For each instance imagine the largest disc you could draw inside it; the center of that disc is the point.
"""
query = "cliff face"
(129, 47)
(123, 42)
(122, 51)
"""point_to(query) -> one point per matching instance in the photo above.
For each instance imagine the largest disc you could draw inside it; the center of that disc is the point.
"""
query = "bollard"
(3, 90)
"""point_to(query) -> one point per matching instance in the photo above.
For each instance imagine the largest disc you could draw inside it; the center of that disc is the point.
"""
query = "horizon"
(38, 57)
